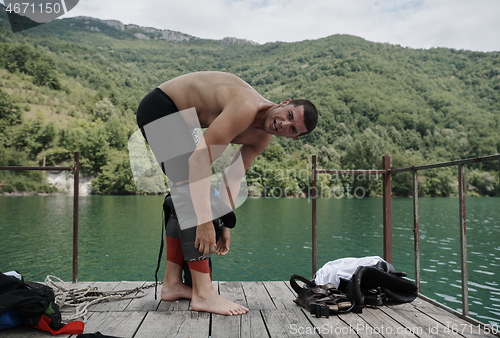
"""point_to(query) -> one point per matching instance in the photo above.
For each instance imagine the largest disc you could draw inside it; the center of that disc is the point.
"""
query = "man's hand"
(223, 242)
(205, 238)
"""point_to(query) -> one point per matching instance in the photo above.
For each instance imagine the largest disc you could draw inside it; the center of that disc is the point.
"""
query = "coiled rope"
(81, 299)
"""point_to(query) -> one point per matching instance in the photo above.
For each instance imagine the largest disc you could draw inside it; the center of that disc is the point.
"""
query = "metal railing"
(387, 173)
(387, 209)
(462, 216)
(76, 171)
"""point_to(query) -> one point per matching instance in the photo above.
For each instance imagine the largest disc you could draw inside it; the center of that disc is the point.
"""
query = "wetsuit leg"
(180, 243)
(174, 247)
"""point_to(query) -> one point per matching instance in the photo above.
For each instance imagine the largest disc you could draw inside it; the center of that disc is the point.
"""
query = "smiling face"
(287, 120)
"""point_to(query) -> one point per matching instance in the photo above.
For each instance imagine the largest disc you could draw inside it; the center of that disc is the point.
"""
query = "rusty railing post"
(314, 195)
(463, 241)
(76, 193)
(387, 200)
(416, 235)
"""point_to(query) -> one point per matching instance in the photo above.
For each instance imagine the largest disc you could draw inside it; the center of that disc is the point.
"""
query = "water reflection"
(120, 237)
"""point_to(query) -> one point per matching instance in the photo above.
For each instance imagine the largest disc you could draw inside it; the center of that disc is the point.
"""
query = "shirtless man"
(232, 112)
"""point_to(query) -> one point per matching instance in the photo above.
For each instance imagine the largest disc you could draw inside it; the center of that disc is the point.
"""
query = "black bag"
(368, 286)
(29, 299)
(377, 285)
(35, 303)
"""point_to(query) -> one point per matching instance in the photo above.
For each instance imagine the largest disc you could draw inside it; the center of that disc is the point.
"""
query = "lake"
(120, 238)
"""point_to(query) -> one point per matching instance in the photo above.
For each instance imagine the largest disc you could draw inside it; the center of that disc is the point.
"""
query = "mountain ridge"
(161, 34)
(74, 84)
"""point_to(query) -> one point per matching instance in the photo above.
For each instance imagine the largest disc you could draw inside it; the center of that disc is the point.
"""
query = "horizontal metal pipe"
(448, 164)
(37, 168)
(326, 171)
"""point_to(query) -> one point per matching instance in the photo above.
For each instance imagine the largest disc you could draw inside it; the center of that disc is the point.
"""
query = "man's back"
(215, 94)
(211, 93)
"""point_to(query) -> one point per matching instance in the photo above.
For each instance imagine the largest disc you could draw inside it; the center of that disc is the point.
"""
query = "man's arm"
(234, 120)
(233, 176)
(231, 185)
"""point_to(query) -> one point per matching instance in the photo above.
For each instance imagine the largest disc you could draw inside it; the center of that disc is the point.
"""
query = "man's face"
(287, 120)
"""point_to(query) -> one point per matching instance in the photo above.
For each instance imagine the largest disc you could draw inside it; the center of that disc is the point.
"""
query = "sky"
(459, 24)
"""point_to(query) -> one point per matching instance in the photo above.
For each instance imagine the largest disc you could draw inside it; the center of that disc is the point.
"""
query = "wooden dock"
(272, 314)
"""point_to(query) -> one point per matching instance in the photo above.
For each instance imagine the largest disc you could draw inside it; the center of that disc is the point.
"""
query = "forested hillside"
(74, 84)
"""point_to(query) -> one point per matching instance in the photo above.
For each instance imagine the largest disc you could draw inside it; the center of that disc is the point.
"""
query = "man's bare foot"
(175, 291)
(215, 303)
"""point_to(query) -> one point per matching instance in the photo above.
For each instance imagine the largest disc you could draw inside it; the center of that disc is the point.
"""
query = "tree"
(365, 152)
(104, 109)
(116, 177)
(44, 74)
(10, 112)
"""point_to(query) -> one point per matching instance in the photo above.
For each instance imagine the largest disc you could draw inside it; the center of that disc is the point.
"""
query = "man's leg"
(205, 297)
(173, 288)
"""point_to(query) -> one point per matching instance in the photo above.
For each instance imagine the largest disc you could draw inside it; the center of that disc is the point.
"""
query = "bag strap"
(162, 244)
(296, 286)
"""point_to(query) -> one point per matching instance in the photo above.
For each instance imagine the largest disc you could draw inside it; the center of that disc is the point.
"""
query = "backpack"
(372, 285)
(35, 304)
(378, 285)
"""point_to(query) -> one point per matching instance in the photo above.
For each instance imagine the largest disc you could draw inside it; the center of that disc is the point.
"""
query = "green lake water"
(120, 238)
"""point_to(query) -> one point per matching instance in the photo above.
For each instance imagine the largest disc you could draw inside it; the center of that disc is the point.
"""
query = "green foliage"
(90, 139)
(80, 89)
(116, 177)
(274, 152)
(484, 183)
(23, 58)
(10, 112)
(440, 182)
(20, 181)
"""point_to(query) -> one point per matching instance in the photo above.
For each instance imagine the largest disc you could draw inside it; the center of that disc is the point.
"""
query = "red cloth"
(75, 327)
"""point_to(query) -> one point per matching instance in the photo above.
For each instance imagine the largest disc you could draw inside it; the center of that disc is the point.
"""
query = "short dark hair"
(310, 114)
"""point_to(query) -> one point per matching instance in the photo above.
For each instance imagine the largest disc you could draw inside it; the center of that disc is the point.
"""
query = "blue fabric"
(10, 319)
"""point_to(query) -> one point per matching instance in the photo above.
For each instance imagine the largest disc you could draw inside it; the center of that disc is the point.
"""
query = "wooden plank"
(229, 326)
(102, 286)
(119, 304)
(273, 314)
(226, 326)
(174, 305)
(358, 325)
(23, 331)
(450, 321)
(252, 325)
(175, 324)
(120, 324)
(257, 296)
(146, 303)
(288, 323)
(332, 326)
(415, 321)
(233, 291)
(381, 323)
(281, 295)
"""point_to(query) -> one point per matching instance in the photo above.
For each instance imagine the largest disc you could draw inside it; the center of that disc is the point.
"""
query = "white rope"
(81, 299)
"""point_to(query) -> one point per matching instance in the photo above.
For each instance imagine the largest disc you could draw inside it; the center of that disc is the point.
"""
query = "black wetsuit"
(155, 105)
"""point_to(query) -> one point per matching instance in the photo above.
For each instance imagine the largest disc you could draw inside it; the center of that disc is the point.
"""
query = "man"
(232, 112)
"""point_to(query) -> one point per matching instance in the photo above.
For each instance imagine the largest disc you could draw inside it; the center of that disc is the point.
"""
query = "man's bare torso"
(211, 93)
